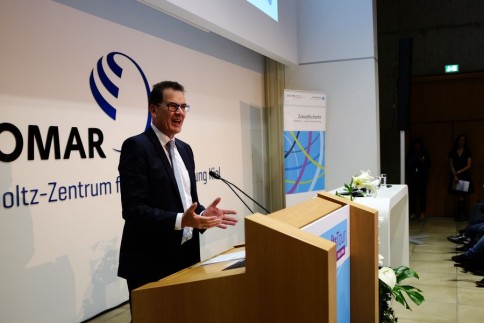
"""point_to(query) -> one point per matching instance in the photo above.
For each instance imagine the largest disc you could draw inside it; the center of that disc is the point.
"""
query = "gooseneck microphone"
(229, 184)
(214, 175)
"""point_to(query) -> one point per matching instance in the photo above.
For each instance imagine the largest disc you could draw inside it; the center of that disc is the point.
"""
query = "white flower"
(364, 176)
(365, 180)
(371, 186)
(387, 275)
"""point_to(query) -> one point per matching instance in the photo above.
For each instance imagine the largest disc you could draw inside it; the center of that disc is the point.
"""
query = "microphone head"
(214, 175)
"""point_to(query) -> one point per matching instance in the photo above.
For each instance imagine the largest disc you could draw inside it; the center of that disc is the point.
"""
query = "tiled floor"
(451, 295)
(120, 314)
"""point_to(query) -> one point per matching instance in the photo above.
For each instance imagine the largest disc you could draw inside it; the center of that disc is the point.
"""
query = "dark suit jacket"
(150, 246)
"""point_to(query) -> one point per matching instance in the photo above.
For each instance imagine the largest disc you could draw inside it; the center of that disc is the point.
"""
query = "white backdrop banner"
(73, 87)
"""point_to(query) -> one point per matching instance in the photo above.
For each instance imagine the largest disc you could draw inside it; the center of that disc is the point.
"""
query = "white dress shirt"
(185, 182)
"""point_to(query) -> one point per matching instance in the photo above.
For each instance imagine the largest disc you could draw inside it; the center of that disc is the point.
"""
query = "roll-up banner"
(304, 144)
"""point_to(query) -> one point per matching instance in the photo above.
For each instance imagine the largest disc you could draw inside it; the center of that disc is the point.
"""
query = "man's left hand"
(213, 210)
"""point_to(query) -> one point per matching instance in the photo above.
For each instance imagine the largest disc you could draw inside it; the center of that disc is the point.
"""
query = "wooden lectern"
(290, 275)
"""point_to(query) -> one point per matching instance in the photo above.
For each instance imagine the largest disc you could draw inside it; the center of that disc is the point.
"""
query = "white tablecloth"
(392, 205)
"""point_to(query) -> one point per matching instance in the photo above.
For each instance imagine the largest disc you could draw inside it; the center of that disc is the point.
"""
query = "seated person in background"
(475, 216)
(472, 259)
(468, 237)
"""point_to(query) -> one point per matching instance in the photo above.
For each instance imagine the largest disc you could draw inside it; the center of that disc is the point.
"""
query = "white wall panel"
(243, 23)
(60, 253)
(336, 30)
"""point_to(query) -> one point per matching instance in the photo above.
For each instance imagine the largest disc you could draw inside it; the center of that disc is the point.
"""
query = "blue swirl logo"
(105, 82)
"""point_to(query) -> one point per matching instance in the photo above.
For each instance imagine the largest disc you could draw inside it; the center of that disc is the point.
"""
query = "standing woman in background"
(418, 164)
(460, 160)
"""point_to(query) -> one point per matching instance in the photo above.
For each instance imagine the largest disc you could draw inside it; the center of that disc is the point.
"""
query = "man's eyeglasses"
(173, 107)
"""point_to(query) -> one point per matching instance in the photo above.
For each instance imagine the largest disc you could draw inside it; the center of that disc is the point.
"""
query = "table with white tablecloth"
(391, 202)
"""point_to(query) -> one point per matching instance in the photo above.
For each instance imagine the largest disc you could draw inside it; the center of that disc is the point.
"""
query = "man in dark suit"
(163, 217)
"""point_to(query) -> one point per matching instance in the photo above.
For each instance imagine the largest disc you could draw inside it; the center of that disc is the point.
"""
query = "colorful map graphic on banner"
(304, 161)
(304, 144)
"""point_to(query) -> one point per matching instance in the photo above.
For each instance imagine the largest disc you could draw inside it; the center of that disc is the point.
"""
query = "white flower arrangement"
(390, 289)
(360, 186)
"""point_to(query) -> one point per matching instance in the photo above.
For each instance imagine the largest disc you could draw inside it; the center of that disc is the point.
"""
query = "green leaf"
(416, 297)
(408, 287)
(412, 293)
(397, 294)
(403, 272)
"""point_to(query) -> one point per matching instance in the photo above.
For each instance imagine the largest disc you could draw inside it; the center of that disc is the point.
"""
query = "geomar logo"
(105, 82)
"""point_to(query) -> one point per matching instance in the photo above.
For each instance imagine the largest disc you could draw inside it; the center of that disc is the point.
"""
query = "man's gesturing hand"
(213, 210)
(191, 219)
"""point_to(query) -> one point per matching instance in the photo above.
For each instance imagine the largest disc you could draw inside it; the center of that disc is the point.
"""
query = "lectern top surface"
(306, 212)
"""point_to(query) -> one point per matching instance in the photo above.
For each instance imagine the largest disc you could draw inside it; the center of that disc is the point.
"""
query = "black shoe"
(464, 247)
(458, 239)
(480, 283)
(478, 272)
(461, 258)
